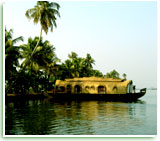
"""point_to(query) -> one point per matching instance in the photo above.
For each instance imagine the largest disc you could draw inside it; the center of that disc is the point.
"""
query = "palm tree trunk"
(27, 62)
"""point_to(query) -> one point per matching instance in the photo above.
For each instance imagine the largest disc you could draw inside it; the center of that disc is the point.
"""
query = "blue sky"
(118, 35)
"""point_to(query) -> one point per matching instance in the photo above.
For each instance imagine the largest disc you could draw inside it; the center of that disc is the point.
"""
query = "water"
(46, 117)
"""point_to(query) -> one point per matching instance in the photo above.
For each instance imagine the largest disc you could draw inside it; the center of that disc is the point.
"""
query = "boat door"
(77, 89)
(101, 89)
(69, 89)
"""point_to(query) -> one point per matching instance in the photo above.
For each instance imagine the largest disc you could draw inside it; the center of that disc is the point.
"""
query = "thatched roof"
(97, 79)
(94, 81)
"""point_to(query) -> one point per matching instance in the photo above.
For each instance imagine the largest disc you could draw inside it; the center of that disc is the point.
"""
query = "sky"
(118, 35)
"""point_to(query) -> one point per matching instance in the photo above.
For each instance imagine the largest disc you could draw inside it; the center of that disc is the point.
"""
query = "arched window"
(87, 88)
(92, 88)
(77, 89)
(115, 89)
(101, 89)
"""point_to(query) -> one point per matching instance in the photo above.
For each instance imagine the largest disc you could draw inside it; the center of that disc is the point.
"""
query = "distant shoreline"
(151, 88)
(148, 89)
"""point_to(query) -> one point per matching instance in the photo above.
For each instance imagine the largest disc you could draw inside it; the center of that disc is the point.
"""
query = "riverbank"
(10, 97)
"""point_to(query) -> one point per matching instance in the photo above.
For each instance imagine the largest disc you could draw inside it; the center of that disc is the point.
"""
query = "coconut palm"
(72, 56)
(44, 13)
(97, 73)
(11, 51)
(108, 75)
(88, 65)
(11, 57)
(113, 74)
(89, 61)
(124, 76)
(42, 63)
(77, 67)
(43, 57)
(65, 70)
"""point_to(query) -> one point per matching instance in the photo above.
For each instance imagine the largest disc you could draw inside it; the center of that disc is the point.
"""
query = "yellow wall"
(111, 85)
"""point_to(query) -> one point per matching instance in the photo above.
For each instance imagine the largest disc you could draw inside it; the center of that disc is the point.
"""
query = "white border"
(80, 136)
(156, 137)
(3, 70)
(158, 69)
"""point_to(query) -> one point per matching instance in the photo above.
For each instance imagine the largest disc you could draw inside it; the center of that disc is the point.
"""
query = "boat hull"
(104, 97)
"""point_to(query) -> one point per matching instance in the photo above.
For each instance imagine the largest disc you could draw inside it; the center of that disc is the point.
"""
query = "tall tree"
(43, 63)
(97, 73)
(11, 54)
(89, 61)
(44, 12)
(113, 74)
(77, 66)
(11, 50)
(124, 76)
(88, 66)
(43, 57)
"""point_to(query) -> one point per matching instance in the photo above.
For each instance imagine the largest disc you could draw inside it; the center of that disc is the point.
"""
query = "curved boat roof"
(97, 79)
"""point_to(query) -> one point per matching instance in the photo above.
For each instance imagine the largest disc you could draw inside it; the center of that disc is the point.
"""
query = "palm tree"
(97, 73)
(89, 61)
(11, 51)
(43, 57)
(75, 64)
(66, 69)
(124, 76)
(72, 56)
(113, 74)
(11, 57)
(77, 67)
(43, 61)
(44, 12)
(108, 75)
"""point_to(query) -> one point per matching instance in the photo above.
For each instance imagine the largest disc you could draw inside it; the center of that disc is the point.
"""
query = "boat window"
(77, 89)
(92, 87)
(101, 89)
(115, 88)
(87, 87)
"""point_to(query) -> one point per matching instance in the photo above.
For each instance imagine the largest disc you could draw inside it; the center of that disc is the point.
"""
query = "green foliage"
(97, 73)
(112, 74)
(42, 71)
(44, 12)
(39, 69)
(43, 56)
(76, 66)
(124, 76)
(115, 74)
(11, 56)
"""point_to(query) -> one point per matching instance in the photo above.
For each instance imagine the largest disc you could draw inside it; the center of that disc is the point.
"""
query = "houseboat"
(97, 88)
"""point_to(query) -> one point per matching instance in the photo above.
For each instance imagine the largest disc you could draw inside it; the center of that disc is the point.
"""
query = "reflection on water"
(46, 117)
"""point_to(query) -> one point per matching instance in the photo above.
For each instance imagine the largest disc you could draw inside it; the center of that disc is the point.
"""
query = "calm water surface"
(46, 117)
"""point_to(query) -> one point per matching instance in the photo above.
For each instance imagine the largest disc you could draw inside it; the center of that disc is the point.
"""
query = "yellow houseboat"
(97, 88)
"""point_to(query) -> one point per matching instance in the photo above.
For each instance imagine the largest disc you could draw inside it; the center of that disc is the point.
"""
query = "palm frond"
(18, 39)
(44, 12)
